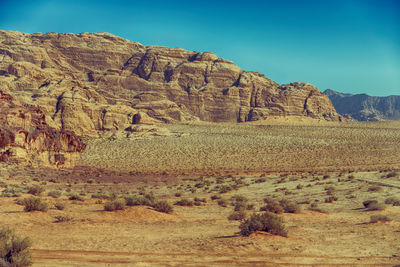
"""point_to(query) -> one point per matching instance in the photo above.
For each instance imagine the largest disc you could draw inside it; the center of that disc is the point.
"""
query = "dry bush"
(376, 206)
(36, 190)
(184, 202)
(214, 197)
(60, 205)
(375, 188)
(145, 200)
(14, 250)
(163, 206)
(237, 215)
(60, 219)
(54, 194)
(369, 202)
(267, 222)
(331, 199)
(116, 204)
(274, 207)
(34, 204)
(392, 175)
(76, 197)
(392, 201)
(379, 218)
(290, 206)
(223, 203)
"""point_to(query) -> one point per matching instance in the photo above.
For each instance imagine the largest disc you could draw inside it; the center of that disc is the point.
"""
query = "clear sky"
(351, 46)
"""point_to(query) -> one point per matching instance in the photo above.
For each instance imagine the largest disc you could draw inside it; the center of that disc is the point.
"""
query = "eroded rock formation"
(26, 138)
(88, 83)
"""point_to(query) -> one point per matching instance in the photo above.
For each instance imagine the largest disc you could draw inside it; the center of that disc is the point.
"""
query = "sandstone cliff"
(26, 138)
(93, 82)
(363, 107)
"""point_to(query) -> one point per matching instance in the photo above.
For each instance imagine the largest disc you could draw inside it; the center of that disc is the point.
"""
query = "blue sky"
(351, 46)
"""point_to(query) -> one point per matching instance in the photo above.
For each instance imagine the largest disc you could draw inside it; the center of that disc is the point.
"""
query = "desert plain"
(327, 169)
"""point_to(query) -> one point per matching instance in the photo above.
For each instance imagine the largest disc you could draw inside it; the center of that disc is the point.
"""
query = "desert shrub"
(376, 206)
(369, 202)
(203, 200)
(290, 206)
(35, 190)
(178, 194)
(268, 200)
(375, 188)
(214, 197)
(392, 175)
(35, 204)
(237, 215)
(331, 199)
(225, 189)
(60, 219)
(267, 222)
(104, 195)
(76, 197)
(145, 200)
(379, 218)
(326, 177)
(392, 201)
(260, 180)
(60, 205)
(314, 207)
(184, 202)
(14, 250)
(163, 206)
(12, 191)
(223, 202)
(116, 204)
(54, 194)
(299, 186)
(274, 207)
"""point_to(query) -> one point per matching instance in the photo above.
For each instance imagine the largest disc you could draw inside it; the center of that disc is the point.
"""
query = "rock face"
(88, 83)
(26, 138)
(363, 107)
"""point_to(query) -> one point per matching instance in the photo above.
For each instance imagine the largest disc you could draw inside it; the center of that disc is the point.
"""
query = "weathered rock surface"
(93, 82)
(363, 107)
(26, 138)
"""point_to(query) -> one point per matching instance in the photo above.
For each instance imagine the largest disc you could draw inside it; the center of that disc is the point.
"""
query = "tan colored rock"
(93, 82)
(26, 138)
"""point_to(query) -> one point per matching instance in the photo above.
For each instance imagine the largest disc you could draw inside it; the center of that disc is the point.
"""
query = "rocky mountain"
(91, 83)
(363, 107)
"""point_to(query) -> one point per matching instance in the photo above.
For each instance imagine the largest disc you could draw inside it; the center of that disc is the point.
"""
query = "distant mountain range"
(363, 107)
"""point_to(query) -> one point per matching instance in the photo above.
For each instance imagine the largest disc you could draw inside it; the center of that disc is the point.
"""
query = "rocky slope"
(90, 84)
(26, 138)
(95, 82)
(363, 107)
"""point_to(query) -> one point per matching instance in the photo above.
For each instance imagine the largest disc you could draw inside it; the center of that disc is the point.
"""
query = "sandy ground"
(274, 156)
(207, 148)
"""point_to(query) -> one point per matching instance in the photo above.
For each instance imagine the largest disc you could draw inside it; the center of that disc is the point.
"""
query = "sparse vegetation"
(184, 202)
(54, 194)
(60, 205)
(14, 250)
(60, 219)
(267, 222)
(163, 206)
(34, 204)
(379, 218)
(116, 204)
(237, 215)
(392, 201)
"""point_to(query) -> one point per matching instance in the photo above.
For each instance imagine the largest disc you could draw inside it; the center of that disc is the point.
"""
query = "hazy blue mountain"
(363, 107)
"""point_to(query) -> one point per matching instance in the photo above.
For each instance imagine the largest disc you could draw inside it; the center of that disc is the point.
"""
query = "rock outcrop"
(363, 107)
(26, 138)
(93, 82)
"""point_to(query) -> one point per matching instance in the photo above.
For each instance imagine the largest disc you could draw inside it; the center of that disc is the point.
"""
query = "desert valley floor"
(327, 169)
